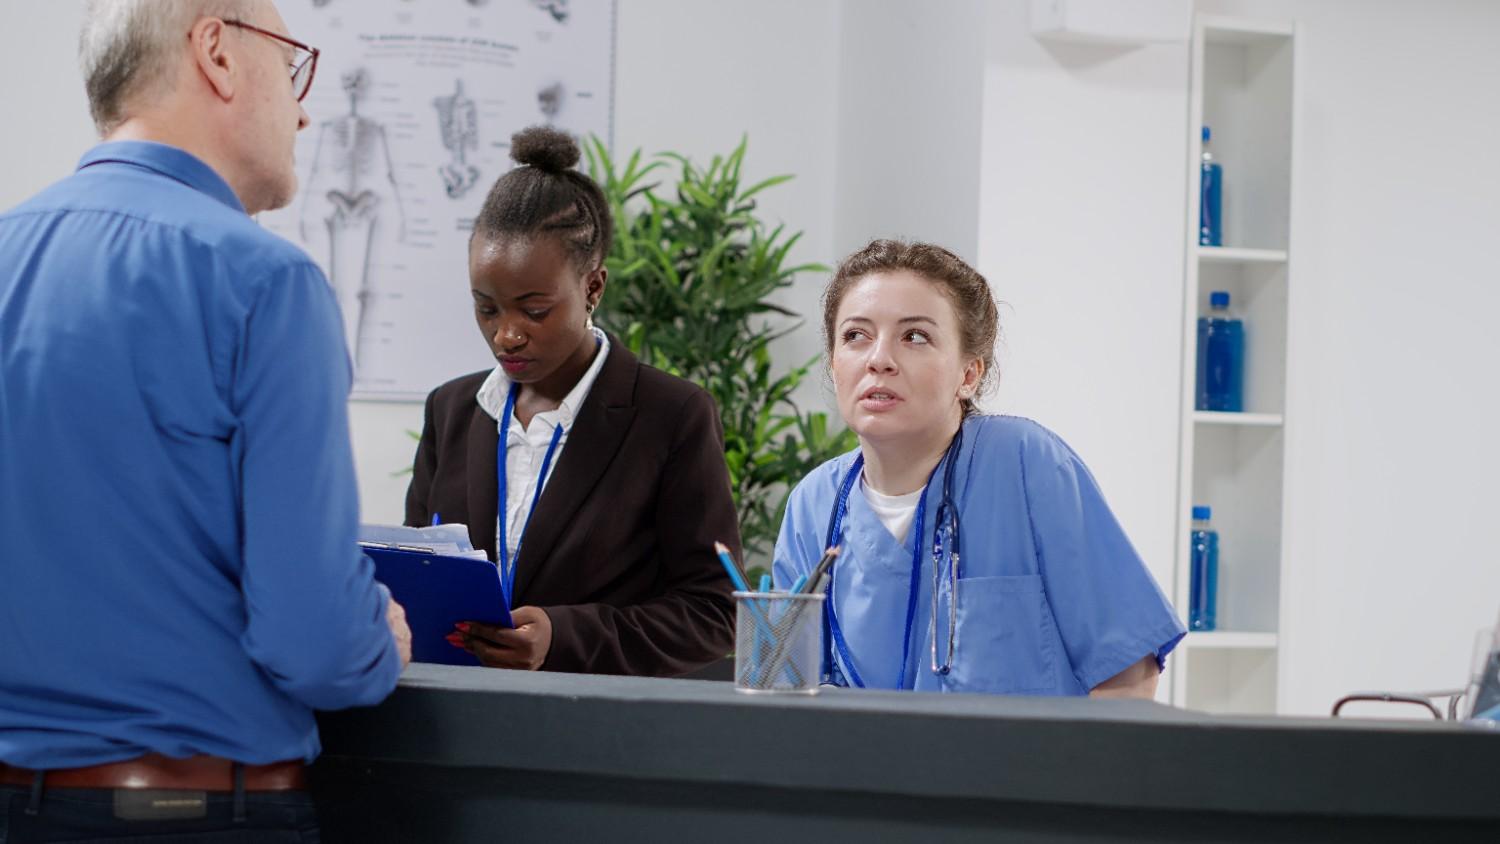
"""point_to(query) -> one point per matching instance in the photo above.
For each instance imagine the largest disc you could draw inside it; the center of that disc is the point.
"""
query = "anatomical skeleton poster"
(412, 110)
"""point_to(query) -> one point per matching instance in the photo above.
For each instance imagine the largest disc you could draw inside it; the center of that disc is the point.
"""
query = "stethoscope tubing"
(949, 553)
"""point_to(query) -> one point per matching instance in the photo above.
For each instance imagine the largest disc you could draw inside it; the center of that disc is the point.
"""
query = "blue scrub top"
(1052, 598)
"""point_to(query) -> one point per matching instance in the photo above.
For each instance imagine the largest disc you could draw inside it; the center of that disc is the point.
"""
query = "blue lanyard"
(507, 567)
(835, 536)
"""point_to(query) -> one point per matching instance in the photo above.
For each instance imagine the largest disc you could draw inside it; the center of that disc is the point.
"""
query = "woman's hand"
(524, 647)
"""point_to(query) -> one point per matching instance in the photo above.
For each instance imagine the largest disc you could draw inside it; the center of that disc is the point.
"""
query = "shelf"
(1242, 87)
(1244, 31)
(1225, 639)
(1232, 255)
(1228, 677)
(1250, 420)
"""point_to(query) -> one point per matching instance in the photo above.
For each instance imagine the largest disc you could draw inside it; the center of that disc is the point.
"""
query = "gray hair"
(128, 48)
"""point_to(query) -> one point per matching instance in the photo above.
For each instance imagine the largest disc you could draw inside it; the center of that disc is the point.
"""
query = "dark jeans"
(88, 815)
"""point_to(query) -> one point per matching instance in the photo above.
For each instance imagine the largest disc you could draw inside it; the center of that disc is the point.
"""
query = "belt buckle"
(156, 804)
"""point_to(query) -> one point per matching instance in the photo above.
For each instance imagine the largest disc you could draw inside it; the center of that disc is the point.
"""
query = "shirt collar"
(876, 497)
(492, 392)
(169, 161)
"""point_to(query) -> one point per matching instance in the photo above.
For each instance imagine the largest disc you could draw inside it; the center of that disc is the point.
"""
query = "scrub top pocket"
(1005, 637)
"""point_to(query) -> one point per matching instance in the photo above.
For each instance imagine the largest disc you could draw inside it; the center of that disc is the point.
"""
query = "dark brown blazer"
(619, 552)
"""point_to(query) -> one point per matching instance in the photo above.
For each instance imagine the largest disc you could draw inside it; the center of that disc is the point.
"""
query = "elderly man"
(179, 582)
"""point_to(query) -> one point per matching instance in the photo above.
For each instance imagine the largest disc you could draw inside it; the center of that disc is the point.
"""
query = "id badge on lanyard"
(839, 660)
(507, 562)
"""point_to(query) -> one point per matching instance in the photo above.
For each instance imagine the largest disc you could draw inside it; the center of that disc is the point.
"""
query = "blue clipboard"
(437, 592)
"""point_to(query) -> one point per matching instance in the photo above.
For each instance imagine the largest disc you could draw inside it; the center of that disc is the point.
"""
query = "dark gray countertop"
(1118, 754)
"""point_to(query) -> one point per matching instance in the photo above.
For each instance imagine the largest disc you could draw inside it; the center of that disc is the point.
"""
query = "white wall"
(47, 126)
(908, 105)
(1080, 233)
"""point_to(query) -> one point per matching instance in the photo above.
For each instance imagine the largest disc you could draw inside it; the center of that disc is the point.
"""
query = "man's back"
(178, 515)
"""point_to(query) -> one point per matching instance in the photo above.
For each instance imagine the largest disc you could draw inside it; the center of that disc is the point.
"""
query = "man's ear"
(209, 45)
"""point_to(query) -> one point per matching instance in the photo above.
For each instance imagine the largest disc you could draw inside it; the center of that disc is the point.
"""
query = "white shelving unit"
(1231, 255)
(1243, 88)
(1224, 641)
(1253, 420)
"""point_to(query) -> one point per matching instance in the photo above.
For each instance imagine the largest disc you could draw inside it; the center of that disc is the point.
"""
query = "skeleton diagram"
(558, 9)
(458, 120)
(549, 100)
(346, 193)
(318, 4)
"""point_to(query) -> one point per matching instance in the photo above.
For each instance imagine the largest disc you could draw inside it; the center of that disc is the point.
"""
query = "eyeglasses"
(303, 67)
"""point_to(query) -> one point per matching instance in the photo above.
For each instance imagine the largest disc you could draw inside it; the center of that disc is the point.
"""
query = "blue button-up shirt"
(178, 566)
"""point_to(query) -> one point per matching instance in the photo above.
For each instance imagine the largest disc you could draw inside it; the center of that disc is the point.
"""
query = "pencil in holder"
(778, 642)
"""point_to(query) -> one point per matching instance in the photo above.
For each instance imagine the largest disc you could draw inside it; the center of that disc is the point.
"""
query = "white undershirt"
(896, 512)
(526, 446)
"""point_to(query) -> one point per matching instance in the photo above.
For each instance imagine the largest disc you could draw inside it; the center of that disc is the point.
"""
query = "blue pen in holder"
(778, 642)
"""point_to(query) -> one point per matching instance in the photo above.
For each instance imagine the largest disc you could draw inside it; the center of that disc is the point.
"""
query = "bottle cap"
(1202, 513)
(1206, 133)
(1218, 299)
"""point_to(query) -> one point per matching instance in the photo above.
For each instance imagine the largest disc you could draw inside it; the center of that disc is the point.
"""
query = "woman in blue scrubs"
(977, 552)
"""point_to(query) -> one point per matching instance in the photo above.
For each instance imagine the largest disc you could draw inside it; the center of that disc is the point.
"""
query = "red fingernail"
(458, 645)
(463, 625)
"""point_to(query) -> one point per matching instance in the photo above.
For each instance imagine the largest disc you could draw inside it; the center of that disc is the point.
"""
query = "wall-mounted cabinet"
(1243, 88)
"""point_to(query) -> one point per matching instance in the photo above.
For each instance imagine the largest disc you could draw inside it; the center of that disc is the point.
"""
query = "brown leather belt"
(195, 773)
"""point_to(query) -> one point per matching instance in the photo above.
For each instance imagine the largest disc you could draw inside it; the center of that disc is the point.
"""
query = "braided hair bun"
(547, 195)
(545, 148)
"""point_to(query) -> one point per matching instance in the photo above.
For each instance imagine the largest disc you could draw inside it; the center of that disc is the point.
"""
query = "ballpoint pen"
(817, 573)
(814, 582)
(764, 631)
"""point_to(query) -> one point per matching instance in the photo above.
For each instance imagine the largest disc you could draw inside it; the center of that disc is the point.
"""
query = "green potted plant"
(691, 274)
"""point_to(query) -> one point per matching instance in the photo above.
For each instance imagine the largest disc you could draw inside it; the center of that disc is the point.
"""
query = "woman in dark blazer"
(617, 573)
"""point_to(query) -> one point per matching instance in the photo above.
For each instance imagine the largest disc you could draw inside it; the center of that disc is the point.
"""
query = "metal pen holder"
(778, 642)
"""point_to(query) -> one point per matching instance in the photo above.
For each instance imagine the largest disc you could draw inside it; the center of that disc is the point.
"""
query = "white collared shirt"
(526, 447)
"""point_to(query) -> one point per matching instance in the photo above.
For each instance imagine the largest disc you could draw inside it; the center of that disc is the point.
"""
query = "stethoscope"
(945, 563)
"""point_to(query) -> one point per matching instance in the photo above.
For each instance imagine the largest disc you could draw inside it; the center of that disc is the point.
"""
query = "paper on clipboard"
(450, 540)
(438, 591)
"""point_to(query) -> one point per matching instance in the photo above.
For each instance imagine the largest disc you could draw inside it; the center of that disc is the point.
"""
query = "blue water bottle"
(1210, 199)
(1221, 358)
(1203, 575)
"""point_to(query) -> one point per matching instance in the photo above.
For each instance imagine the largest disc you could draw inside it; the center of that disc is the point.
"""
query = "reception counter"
(468, 754)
